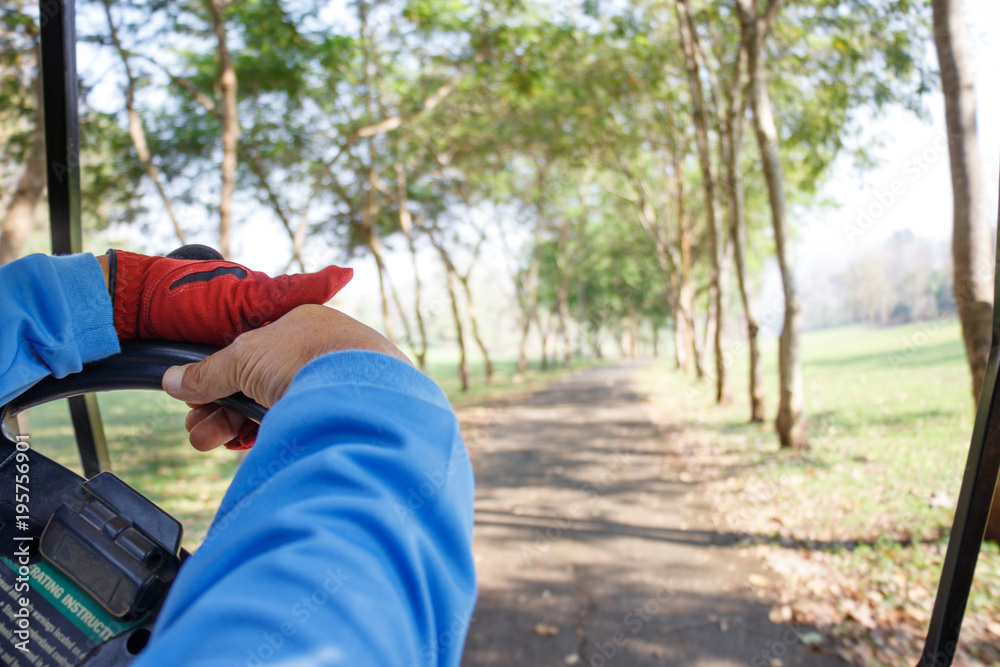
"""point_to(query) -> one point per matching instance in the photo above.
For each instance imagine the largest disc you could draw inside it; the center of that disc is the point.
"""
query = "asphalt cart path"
(591, 551)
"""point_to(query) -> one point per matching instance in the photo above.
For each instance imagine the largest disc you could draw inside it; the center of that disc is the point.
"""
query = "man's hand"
(193, 295)
(261, 364)
(103, 261)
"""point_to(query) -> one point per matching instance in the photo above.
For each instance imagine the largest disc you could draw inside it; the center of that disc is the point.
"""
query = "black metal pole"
(62, 147)
(972, 513)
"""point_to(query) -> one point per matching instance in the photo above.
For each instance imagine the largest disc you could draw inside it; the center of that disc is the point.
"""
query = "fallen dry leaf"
(811, 638)
(862, 613)
(782, 614)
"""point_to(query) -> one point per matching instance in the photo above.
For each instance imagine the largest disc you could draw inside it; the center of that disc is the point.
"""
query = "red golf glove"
(207, 301)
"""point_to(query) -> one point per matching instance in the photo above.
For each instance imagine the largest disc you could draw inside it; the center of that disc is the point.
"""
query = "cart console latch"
(116, 545)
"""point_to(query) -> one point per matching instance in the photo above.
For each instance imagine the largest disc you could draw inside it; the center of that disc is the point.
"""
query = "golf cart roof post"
(62, 146)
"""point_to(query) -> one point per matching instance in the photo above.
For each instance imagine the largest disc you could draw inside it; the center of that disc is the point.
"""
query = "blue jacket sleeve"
(345, 537)
(55, 315)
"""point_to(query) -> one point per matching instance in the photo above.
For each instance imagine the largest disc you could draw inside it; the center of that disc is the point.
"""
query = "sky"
(915, 160)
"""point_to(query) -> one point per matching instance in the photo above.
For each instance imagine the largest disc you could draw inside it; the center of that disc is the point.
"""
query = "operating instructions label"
(63, 623)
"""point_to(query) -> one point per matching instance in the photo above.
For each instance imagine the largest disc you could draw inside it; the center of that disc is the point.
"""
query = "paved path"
(590, 551)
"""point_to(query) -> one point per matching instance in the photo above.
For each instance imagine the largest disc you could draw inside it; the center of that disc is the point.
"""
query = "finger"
(213, 377)
(217, 429)
(199, 414)
(280, 295)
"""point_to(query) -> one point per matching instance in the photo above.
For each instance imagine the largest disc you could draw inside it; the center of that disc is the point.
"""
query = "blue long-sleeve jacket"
(345, 537)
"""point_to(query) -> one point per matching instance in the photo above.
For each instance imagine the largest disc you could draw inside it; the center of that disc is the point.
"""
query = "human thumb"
(205, 381)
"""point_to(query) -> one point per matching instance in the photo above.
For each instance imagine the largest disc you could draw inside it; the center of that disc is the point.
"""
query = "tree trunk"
(470, 305)
(474, 321)
(390, 330)
(685, 290)
(972, 254)
(544, 332)
(562, 295)
(374, 244)
(563, 326)
(790, 422)
(20, 215)
(708, 183)
(731, 145)
(756, 384)
(529, 296)
(529, 306)
(595, 342)
(636, 336)
(682, 363)
(463, 364)
(230, 128)
(387, 290)
(406, 225)
(420, 354)
(703, 351)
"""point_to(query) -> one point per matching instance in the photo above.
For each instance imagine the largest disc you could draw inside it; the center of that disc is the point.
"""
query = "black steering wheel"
(99, 535)
(140, 365)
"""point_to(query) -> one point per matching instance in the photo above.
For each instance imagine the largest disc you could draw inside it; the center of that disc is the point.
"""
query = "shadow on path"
(590, 552)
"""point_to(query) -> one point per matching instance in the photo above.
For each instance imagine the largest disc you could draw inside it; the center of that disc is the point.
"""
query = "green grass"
(889, 414)
(889, 428)
(149, 449)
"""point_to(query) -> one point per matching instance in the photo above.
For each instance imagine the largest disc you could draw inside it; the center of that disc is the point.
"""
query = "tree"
(756, 26)
(20, 214)
(136, 130)
(107, 178)
(229, 113)
(729, 102)
(972, 254)
(20, 89)
(709, 180)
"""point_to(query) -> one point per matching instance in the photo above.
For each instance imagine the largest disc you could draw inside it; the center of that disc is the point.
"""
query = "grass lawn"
(870, 503)
(149, 449)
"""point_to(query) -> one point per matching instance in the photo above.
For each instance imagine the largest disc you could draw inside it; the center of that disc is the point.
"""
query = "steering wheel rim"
(140, 365)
